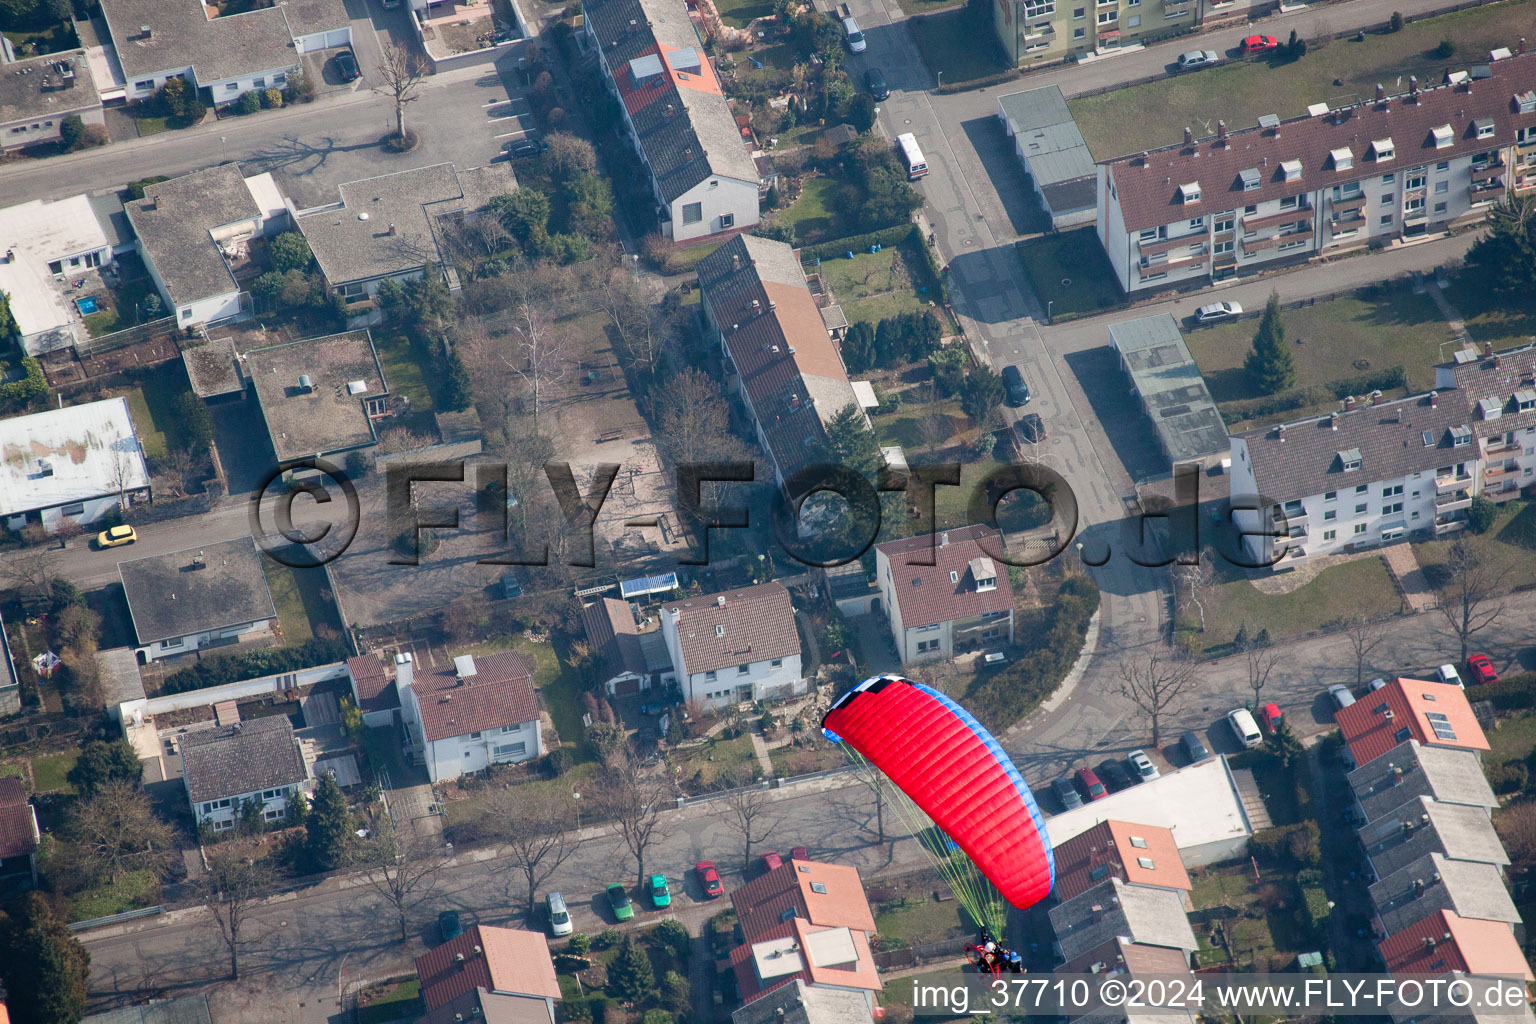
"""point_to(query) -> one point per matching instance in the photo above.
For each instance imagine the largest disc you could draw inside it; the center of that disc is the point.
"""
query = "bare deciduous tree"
(637, 800)
(1155, 679)
(1469, 596)
(31, 573)
(1190, 580)
(540, 354)
(748, 813)
(231, 890)
(402, 867)
(400, 73)
(1365, 635)
(116, 832)
(532, 825)
(1516, 825)
(875, 781)
(1260, 662)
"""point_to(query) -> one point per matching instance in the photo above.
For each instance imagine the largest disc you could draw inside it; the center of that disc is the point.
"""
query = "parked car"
(1258, 44)
(1376, 684)
(1340, 695)
(661, 896)
(1090, 785)
(1245, 728)
(1198, 59)
(1194, 747)
(709, 879)
(449, 926)
(559, 917)
(1448, 674)
(1214, 311)
(1030, 427)
(1270, 717)
(1114, 775)
(1066, 794)
(772, 860)
(799, 853)
(1013, 382)
(1480, 670)
(346, 66)
(874, 81)
(853, 37)
(525, 147)
(116, 537)
(618, 901)
(1142, 768)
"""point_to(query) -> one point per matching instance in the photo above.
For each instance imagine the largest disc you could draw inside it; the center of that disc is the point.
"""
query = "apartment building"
(1335, 179)
(1039, 31)
(1375, 470)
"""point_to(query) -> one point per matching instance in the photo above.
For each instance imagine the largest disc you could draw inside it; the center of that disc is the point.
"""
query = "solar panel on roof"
(648, 585)
(1443, 731)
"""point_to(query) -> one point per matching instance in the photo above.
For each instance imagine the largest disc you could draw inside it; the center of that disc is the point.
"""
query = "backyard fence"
(127, 915)
(164, 329)
(896, 959)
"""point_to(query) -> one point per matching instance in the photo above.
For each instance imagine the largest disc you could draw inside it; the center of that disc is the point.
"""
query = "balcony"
(1294, 558)
(1224, 259)
(1345, 204)
(1499, 472)
(1491, 169)
(1289, 517)
(1452, 501)
(1452, 483)
(1488, 188)
(1450, 523)
(1257, 245)
(1283, 217)
(1499, 445)
(1157, 246)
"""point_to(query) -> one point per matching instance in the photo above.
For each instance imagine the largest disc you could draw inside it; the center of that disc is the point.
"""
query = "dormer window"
(1444, 136)
(1291, 169)
(1525, 400)
(1250, 179)
(1490, 408)
(1526, 101)
(984, 572)
(1483, 127)
(1189, 193)
(1461, 437)
(1342, 158)
(1350, 460)
(1383, 150)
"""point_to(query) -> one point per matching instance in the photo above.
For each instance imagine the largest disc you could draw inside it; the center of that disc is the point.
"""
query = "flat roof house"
(1136, 854)
(1114, 909)
(1435, 714)
(199, 597)
(10, 682)
(257, 762)
(38, 93)
(491, 974)
(321, 396)
(799, 1003)
(226, 56)
(192, 229)
(826, 895)
(962, 601)
(19, 837)
(1447, 942)
(43, 247)
(470, 714)
(1188, 426)
(733, 646)
(1412, 769)
(631, 659)
(390, 227)
(1047, 141)
(1434, 883)
(79, 462)
(682, 126)
(838, 958)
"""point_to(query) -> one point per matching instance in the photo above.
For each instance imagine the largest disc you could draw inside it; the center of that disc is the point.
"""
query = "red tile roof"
(792, 887)
(12, 792)
(859, 973)
(1446, 942)
(732, 628)
(373, 683)
(18, 830)
(511, 962)
(1117, 848)
(499, 693)
(927, 594)
(1148, 192)
(1399, 711)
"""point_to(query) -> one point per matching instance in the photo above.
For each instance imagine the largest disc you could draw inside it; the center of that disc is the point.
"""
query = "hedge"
(1276, 846)
(29, 387)
(1300, 398)
(232, 668)
(1512, 693)
(861, 243)
(1004, 696)
(1365, 383)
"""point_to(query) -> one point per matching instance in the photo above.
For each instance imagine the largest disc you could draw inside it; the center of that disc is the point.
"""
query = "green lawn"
(1513, 740)
(1150, 116)
(403, 370)
(1361, 587)
(301, 607)
(134, 890)
(401, 1000)
(700, 768)
(873, 286)
(152, 404)
(1504, 322)
(680, 260)
(1511, 543)
(911, 8)
(740, 13)
(956, 45)
(810, 215)
(152, 125)
(1330, 341)
(49, 771)
(924, 921)
(1261, 916)
(119, 308)
(1069, 272)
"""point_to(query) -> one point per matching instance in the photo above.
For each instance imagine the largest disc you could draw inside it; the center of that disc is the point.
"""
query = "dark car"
(1066, 794)
(526, 147)
(874, 80)
(1090, 785)
(1013, 382)
(449, 925)
(1194, 747)
(346, 66)
(1114, 775)
(1031, 428)
(709, 878)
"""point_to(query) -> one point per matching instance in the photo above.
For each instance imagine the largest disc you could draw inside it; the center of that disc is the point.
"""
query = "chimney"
(1413, 87)
(1376, 397)
(1333, 421)
(1280, 432)
(1381, 92)
(1418, 887)
(1189, 137)
(1349, 403)
(944, 539)
(1397, 775)
(1434, 399)
(392, 229)
(1487, 350)
(1146, 159)
(145, 32)
(1221, 132)
(1520, 46)
(720, 601)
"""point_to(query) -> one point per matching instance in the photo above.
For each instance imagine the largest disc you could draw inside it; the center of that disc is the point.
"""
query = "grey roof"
(307, 17)
(38, 87)
(213, 367)
(1114, 909)
(112, 218)
(327, 417)
(388, 225)
(1052, 147)
(1421, 826)
(1175, 396)
(1469, 888)
(186, 1010)
(805, 1004)
(686, 134)
(246, 757)
(168, 596)
(1450, 776)
(181, 36)
(1303, 459)
(1071, 196)
(118, 670)
(174, 221)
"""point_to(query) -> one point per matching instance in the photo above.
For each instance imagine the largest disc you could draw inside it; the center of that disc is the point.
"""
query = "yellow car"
(116, 537)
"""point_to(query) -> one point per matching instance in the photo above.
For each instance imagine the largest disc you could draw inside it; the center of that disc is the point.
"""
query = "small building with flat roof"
(1173, 394)
(320, 396)
(36, 95)
(1053, 151)
(199, 597)
(42, 246)
(213, 367)
(75, 463)
(185, 1010)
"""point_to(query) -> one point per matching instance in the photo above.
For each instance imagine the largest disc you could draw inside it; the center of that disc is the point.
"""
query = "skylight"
(1147, 863)
(820, 887)
(1138, 842)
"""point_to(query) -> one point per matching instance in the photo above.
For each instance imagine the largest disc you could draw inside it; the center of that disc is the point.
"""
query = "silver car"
(1198, 59)
(1142, 768)
(1340, 695)
(1214, 311)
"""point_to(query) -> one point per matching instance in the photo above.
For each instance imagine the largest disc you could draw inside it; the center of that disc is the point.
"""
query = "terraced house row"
(1334, 180)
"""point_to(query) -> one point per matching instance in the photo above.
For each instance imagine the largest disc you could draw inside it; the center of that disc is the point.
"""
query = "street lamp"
(223, 149)
(1049, 303)
(577, 796)
(941, 79)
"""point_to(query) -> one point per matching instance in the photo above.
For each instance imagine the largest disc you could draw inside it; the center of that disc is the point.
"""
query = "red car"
(799, 853)
(1258, 44)
(1270, 716)
(772, 860)
(709, 878)
(1481, 670)
(1088, 782)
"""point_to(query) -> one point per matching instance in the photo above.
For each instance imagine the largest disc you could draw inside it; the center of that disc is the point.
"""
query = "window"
(1150, 234)
(1138, 842)
(1359, 529)
(509, 750)
(693, 213)
(1079, 33)
(1225, 222)
(1331, 496)
(1360, 509)
(77, 509)
(1330, 515)
(1443, 165)
(1196, 223)
(474, 735)
(1221, 247)
(1388, 198)
(1330, 534)
(931, 627)
(1363, 489)
(1414, 205)
(709, 677)
(1392, 492)
(777, 663)
(1442, 187)
(1385, 220)
(1300, 243)
(1439, 207)
(742, 670)
(144, 86)
(231, 86)
(1392, 509)
(1415, 180)
(280, 78)
(260, 83)
(186, 314)
(1134, 21)
(166, 645)
(1146, 862)
(927, 645)
(727, 220)
(1250, 209)
(1105, 17)
(719, 631)
(1078, 13)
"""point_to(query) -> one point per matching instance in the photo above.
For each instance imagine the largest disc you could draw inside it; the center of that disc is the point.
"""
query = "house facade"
(1045, 31)
(735, 646)
(467, 716)
(963, 600)
(257, 762)
(37, 94)
(1333, 180)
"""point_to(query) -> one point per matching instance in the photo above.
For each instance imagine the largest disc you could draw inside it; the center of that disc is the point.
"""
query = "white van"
(559, 917)
(855, 38)
(1245, 728)
(911, 155)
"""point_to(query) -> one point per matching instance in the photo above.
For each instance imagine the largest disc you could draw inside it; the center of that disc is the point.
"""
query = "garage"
(325, 40)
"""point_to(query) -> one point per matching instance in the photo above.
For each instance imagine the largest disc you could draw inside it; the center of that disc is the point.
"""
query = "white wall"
(95, 508)
(207, 310)
(452, 757)
(224, 813)
(45, 128)
(717, 198)
(277, 683)
(142, 88)
(225, 90)
(187, 644)
(321, 40)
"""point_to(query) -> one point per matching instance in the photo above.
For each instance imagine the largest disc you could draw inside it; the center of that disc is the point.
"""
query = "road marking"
(508, 117)
(508, 135)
